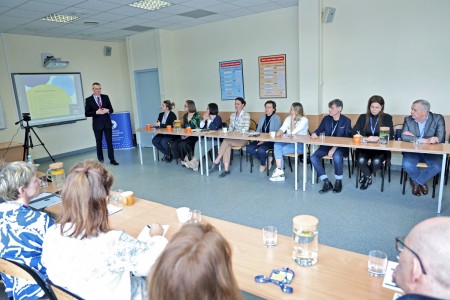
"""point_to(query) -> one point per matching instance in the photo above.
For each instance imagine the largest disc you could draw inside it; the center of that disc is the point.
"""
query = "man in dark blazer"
(423, 127)
(335, 124)
(99, 108)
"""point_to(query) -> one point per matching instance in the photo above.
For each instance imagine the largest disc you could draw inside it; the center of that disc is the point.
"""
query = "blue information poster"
(231, 79)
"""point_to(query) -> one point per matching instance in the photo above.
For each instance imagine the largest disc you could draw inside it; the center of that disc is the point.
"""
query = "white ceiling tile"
(14, 20)
(66, 2)
(13, 3)
(23, 13)
(219, 8)
(153, 15)
(201, 4)
(249, 3)
(175, 9)
(97, 5)
(43, 7)
(239, 12)
(122, 2)
(4, 8)
(156, 23)
(128, 11)
(266, 7)
(106, 17)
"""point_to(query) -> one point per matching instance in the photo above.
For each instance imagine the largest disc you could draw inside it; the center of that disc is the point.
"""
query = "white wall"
(23, 55)
(397, 49)
(188, 59)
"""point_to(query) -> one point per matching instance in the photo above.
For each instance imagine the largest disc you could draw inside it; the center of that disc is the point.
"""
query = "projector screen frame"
(51, 121)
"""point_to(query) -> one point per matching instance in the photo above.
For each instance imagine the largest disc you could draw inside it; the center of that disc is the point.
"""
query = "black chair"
(22, 271)
(61, 293)
(241, 148)
(348, 157)
(386, 165)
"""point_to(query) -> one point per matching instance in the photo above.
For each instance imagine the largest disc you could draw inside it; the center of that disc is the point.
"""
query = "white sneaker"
(278, 175)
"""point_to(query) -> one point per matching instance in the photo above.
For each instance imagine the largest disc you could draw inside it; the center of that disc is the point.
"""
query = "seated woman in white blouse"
(295, 124)
(84, 255)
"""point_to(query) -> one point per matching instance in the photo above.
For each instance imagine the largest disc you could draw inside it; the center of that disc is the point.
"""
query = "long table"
(339, 274)
(394, 146)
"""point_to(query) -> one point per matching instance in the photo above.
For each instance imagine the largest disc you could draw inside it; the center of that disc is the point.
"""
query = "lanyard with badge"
(333, 129)
(373, 128)
(266, 125)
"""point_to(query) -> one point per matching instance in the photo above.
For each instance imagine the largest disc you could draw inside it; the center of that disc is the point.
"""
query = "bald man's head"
(430, 239)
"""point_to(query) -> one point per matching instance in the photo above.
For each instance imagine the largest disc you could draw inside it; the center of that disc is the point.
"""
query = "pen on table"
(149, 226)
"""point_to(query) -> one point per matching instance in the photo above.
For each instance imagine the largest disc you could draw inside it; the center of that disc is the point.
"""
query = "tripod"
(28, 142)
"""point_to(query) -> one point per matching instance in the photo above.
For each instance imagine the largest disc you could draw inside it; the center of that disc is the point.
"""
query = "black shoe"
(337, 186)
(101, 160)
(214, 168)
(114, 162)
(169, 159)
(224, 173)
(365, 183)
(327, 186)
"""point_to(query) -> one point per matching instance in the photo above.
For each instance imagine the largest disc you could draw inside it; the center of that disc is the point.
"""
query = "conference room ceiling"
(113, 20)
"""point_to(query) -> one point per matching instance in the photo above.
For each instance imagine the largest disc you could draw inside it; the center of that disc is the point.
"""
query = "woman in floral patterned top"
(22, 229)
(184, 147)
(84, 255)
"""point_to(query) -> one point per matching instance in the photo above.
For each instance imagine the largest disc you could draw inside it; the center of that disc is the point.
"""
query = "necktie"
(99, 102)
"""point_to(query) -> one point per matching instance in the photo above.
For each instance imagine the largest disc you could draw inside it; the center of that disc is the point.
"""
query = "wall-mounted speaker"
(107, 51)
(328, 14)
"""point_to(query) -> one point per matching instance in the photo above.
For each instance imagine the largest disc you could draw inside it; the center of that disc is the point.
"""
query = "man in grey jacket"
(424, 127)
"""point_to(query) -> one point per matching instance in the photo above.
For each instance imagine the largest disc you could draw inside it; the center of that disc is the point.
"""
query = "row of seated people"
(83, 254)
(80, 252)
(422, 124)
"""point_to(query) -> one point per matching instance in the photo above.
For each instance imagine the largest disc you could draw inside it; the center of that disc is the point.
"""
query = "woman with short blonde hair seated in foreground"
(239, 121)
(196, 265)
(83, 254)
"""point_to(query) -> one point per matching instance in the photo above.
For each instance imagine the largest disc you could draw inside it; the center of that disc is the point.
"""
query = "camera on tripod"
(26, 117)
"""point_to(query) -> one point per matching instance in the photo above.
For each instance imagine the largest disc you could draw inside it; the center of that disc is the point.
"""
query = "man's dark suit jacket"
(99, 122)
(343, 128)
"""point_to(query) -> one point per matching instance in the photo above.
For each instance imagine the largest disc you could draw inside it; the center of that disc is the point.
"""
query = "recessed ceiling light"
(60, 18)
(150, 4)
(92, 23)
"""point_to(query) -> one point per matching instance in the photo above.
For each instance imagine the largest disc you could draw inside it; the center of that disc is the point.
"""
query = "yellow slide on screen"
(48, 101)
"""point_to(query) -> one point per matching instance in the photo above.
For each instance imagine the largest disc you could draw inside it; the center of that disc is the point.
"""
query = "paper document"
(112, 209)
(388, 282)
(144, 236)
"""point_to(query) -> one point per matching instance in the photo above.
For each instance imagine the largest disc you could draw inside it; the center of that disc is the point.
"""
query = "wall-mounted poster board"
(272, 76)
(231, 79)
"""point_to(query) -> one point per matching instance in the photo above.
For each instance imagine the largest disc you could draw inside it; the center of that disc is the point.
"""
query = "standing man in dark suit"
(335, 124)
(99, 108)
(424, 127)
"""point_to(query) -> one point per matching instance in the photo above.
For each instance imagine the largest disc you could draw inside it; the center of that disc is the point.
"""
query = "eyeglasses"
(400, 246)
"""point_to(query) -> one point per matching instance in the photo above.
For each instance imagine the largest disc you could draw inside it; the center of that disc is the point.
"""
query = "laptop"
(44, 200)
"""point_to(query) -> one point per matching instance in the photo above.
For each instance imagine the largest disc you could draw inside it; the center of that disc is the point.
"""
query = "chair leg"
(240, 167)
(401, 176)
(382, 179)
(359, 174)
(290, 165)
(404, 181)
(435, 180)
(251, 163)
(348, 163)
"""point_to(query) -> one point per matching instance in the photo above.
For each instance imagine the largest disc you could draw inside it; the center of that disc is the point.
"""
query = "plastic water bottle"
(30, 159)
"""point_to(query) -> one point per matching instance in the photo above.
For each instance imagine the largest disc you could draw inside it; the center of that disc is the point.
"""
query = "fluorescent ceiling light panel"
(60, 18)
(150, 4)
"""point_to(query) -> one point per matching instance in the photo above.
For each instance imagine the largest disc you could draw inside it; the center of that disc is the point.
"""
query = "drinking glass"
(196, 216)
(270, 236)
(377, 263)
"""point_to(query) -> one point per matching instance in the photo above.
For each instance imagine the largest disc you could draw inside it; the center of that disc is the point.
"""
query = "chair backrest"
(21, 271)
(253, 124)
(61, 293)
(398, 132)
